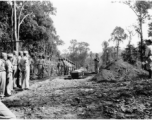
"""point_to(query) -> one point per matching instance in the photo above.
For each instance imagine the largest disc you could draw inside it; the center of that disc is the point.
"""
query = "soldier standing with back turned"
(14, 62)
(96, 63)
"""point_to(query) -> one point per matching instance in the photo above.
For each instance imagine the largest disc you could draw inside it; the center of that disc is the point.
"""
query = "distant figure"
(96, 63)
(40, 67)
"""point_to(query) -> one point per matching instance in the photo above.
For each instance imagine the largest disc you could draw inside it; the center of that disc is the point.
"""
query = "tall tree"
(118, 35)
(78, 52)
(140, 8)
(32, 25)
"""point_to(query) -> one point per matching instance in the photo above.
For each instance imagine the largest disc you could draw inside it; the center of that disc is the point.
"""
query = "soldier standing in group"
(9, 75)
(59, 67)
(25, 70)
(19, 80)
(48, 66)
(3, 58)
(40, 67)
(43, 66)
(96, 61)
(31, 65)
(15, 71)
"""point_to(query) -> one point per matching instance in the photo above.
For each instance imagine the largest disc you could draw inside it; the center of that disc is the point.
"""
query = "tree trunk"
(117, 49)
(15, 28)
(141, 38)
(12, 20)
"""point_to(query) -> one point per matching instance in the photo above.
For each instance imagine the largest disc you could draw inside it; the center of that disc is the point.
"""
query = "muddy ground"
(59, 98)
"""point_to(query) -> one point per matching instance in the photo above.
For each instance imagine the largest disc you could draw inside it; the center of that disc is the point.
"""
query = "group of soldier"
(45, 67)
(14, 72)
(65, 66)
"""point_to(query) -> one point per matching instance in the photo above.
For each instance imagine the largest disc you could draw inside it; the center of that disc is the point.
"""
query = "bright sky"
(91, 21)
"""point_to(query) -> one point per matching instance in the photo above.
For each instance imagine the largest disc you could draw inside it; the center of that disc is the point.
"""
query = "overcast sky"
(91, 21)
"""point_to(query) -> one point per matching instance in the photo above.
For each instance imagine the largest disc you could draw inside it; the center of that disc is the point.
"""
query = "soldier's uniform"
(60, 67)
(96, 66)
(40, 67)
(31, 66)
(9, 75)
(19, 80)
(15, 71)
(2, 74)
(25, 70)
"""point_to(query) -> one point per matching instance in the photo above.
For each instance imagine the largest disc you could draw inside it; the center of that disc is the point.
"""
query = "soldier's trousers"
(2, 83)
(26, 78)
(40, 71)
(9, 84)
(15, 76)
(19, 79)
(5, 113)
(96, 67)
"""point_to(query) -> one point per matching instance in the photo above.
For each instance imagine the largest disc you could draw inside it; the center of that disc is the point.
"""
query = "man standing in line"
(96, 65)
(40, 67)
(43, 66)
(15, 71)
(2, 74)
(19, 80)
(9, 75)
(25, 66)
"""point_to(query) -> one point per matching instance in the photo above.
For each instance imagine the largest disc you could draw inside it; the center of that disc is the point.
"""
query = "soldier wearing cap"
(9, 75)
(19, 80)
(15, 74)
(25, 71)
(3, 57)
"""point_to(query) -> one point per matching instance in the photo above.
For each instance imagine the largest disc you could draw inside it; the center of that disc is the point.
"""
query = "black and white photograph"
(75, 59)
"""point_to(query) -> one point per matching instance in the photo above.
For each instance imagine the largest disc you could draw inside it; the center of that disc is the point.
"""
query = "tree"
(140, 8)
(29, 22)
(105, 45)
(130, 54)
(118, 35)
(78, 52)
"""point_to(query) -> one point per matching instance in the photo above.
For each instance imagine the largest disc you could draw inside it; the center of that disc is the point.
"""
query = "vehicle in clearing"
(79, 73)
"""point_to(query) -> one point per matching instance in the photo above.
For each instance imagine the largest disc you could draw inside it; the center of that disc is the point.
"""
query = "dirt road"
(53, 99)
